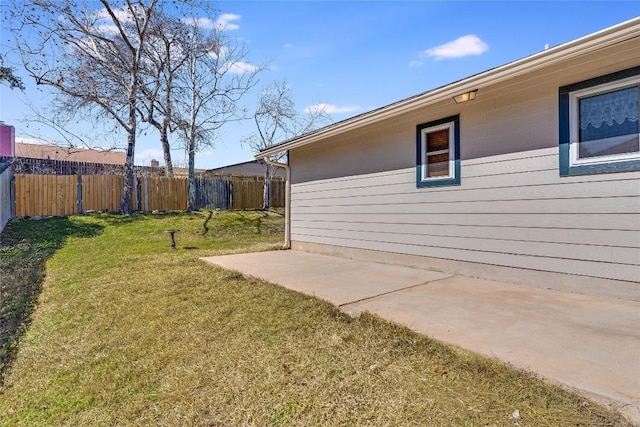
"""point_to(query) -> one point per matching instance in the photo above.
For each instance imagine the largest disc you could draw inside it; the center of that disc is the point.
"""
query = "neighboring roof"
(185, 171)
(250, 168)
(250, 162)
(52, 152)
(561, 53)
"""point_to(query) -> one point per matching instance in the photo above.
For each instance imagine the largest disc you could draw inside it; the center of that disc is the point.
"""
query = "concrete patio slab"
(585, 342)
(589, 343)
(338, 280)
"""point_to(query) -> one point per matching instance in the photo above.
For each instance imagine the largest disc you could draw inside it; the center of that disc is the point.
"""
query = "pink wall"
(7, 140)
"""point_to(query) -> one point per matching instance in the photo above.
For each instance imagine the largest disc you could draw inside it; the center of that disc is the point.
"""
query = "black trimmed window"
(600, 125)
(437, 152)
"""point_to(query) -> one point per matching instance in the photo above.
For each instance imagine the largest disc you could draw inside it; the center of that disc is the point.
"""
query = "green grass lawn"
(127, 332)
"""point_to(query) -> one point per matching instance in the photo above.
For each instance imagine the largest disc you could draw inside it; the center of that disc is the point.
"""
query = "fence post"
(138, 194)
(80, 210)
(146, 194)
(12, 193)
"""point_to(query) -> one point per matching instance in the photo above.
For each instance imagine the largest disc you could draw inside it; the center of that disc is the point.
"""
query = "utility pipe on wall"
(287, 201)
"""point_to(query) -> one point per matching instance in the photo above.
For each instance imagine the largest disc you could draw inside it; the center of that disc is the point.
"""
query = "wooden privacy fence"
(101, 193)
(46, 195)
(213, 193)
(248, 193)
(52, 195)
(161, 194)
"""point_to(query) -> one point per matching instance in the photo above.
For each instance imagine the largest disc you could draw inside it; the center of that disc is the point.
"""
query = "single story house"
(250, 168)
(528, 172)
(70, 154)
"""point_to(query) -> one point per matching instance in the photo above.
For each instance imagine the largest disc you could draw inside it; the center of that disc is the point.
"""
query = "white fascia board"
(561, 53)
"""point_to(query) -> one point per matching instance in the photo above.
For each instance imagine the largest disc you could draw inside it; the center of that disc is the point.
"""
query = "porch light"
(464, 97)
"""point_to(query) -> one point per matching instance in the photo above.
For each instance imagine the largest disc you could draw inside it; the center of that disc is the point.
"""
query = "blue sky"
(360, 55)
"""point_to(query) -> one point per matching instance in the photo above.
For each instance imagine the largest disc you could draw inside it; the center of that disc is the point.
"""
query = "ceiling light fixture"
(464, 97)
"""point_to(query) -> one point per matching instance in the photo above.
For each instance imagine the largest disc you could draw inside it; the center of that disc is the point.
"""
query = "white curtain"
(609, 108)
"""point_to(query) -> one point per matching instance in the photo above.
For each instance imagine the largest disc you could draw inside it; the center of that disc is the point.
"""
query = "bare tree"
(92, 57)
(209, 89)
(164, 58)
(277, 120)
(8, 77)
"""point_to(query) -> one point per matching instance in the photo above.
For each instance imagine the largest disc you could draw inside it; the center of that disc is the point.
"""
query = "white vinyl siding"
(512, 207)
(512, 210)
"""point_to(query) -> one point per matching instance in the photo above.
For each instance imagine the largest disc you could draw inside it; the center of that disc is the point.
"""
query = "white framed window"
(603, 123)
(598, 124)
(437, 153)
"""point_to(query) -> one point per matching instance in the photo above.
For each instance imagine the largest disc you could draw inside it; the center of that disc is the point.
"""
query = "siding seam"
(467, 237)
(608, 263)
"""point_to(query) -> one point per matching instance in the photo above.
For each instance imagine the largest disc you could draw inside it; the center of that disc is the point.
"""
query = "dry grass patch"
(128, 333)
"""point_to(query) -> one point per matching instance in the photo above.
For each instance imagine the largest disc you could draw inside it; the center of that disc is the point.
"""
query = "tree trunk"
(127, 189)
(125, 201)
(267, 185)
(164, 137)
(168, 165)
(192, 177)
(192, 136)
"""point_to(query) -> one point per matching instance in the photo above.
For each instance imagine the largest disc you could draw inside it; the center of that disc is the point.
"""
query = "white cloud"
(219, 52)
(287, 45)
(109, 29)
(200, 23)
(463, 46)
(222, 23)
(123, 14)
(240, 67)
(149, 154)
(332, 108)
(415, 64)
(106, 23)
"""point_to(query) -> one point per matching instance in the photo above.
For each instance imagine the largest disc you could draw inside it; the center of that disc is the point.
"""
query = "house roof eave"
(592, 42)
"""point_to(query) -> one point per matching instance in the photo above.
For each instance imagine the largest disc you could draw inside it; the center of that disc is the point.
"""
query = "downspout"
(287, 201)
